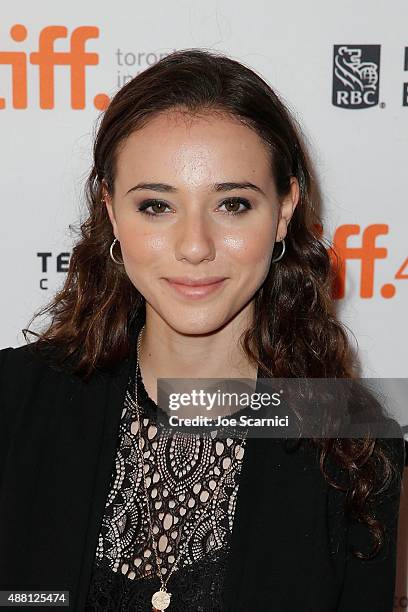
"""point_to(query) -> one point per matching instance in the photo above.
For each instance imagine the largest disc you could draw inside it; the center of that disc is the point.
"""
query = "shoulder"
(26, 369)
(20, 369)
(32, 385)
(15, 355)
(15, 361)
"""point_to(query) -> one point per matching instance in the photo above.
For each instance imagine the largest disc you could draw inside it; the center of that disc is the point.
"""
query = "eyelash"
(148, 203)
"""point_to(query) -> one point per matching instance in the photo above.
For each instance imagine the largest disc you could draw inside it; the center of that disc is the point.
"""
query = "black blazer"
(290, 540)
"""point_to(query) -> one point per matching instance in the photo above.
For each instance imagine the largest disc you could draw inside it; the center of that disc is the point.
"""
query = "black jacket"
(290, 542)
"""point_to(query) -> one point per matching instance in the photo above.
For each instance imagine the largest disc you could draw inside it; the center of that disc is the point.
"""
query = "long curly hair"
(295, 331)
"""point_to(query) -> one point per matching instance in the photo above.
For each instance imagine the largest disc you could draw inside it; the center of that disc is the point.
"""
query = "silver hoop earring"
(112, 255)
(275, 259)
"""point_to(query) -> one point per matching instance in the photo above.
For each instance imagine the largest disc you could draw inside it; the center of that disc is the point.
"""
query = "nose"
(195, 237)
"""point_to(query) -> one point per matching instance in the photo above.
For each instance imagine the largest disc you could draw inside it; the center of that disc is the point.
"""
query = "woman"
(199, 171)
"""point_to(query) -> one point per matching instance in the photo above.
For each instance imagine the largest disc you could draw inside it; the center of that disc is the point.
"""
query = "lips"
(189, 289)
(200, 282)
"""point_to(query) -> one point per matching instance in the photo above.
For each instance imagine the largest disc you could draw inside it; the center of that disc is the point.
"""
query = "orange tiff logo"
(367, 253)
(46, 58)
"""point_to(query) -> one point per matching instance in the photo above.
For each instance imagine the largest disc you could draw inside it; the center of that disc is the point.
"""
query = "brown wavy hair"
(295, 331)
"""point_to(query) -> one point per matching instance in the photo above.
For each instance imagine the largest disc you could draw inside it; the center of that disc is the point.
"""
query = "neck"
(169, 353)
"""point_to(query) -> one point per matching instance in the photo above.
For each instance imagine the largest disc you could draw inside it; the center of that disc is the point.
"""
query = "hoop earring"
(112, 255)
(275, 259)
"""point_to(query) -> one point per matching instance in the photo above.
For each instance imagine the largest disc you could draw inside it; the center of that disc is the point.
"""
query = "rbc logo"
(356, 76)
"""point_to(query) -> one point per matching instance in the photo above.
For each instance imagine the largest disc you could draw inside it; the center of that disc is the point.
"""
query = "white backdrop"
(360, 153)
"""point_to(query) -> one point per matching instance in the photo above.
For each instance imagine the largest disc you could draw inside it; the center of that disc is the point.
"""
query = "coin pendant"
(161, 600)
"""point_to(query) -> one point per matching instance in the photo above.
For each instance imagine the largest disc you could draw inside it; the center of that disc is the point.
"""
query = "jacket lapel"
(111, 405)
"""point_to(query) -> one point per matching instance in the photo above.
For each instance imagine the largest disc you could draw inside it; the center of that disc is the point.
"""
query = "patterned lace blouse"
(182, 473)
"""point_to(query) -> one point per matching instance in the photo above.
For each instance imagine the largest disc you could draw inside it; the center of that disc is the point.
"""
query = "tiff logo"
(367, 253)
(356, 76)
(46, 58)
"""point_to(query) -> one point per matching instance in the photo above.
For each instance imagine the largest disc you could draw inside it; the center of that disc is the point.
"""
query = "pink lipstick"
(195, 288)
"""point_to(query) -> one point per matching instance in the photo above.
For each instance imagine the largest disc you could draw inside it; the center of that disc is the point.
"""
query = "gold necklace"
(161, 598)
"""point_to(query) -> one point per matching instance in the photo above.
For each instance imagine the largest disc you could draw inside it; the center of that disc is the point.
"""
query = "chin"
(193, 325)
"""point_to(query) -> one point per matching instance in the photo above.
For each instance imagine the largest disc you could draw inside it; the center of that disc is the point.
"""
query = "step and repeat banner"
(341, 68)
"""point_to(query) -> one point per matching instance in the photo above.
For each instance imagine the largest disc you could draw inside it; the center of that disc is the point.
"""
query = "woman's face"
(201, 170)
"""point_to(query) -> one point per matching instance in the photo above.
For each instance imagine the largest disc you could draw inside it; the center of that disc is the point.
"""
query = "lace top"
(182, 472)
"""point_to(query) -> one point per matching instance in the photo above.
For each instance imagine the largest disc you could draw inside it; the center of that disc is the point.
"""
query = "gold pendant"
(161, 600)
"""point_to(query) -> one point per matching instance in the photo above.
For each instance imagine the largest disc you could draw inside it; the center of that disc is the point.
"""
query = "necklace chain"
(162, 597)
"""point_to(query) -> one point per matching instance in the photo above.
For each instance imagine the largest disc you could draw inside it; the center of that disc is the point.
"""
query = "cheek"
(143, 248)
(251, 248)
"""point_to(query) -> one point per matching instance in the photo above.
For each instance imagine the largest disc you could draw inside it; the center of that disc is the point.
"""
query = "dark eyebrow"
(165, 188)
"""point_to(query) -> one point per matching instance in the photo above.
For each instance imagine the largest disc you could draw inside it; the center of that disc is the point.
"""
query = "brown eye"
(235, 203)
(157, 206)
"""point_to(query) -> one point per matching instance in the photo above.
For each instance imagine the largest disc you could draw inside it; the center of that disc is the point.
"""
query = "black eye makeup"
(161, 206)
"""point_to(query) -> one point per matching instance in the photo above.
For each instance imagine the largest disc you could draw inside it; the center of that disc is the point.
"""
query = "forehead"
(193, 149)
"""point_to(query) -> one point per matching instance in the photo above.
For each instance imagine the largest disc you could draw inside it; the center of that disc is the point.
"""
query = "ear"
(287, 208)
(107, 200)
